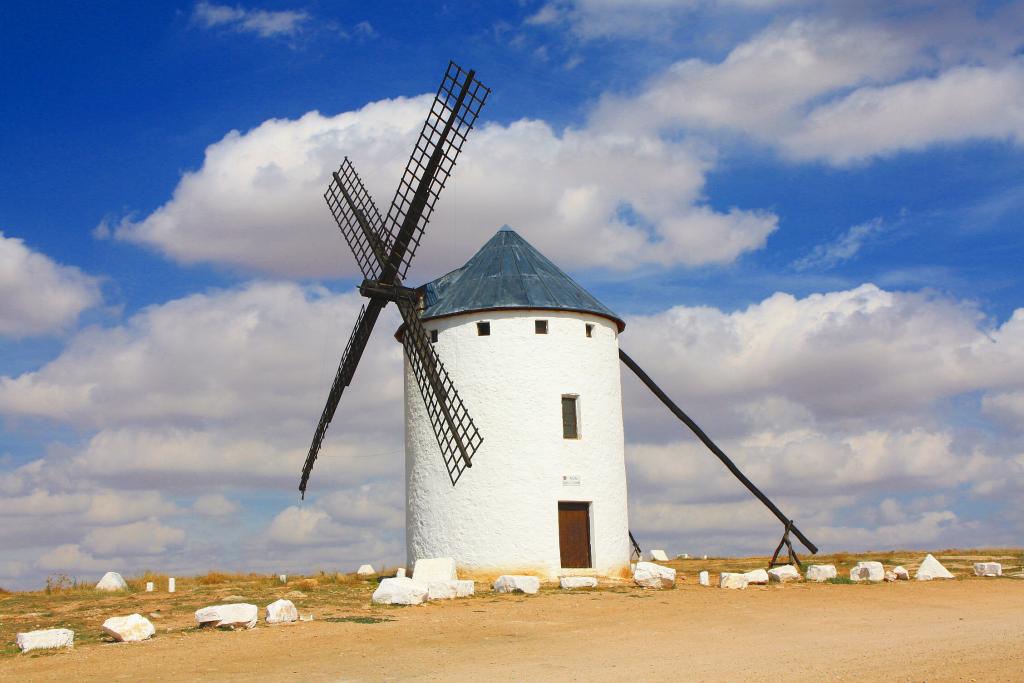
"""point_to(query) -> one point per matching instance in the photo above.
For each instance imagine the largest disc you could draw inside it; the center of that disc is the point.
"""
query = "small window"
(570, 423)
(483, 329)
(433, 336)
(590, 330)
(540, 326)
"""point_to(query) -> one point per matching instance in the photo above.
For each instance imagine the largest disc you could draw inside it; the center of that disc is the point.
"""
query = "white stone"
(931, 569)
(400, 572)
(783, 574)
(441, 590)
(510, 583)
(112, 581)
(130, 629)
(281, 612)
(571, 582)
(283, 578)
(365, 570)
(430, 569)
(821, 572)
(170, 585)
(235, 615)
(659, 556)
(464, 588)
(704, 578)
(399, 591)
(867, 571)
(988, 569)
(650, 575)
(498, 517)
(890, 575)
(682, 556)
(703, 557)
(732, 580)
(756, 577)
(46, 639)
(901, 573)
(149, 587)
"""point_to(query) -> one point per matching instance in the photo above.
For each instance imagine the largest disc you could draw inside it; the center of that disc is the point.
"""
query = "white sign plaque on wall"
(570, 480)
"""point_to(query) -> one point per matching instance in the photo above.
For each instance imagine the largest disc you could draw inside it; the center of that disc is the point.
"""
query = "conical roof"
(509, 273)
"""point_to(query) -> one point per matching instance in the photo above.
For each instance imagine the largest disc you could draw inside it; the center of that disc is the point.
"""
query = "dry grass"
(68, 603)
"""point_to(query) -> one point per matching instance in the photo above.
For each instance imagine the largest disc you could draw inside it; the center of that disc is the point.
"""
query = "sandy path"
(962, 630)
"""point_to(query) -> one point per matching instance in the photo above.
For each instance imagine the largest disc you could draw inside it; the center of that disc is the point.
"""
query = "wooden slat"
(574, 534)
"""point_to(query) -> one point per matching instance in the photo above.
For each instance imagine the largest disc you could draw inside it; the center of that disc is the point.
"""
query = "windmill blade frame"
(457, 434)
(384, 249)
(454, 111)
(358, 219)
(343, 377)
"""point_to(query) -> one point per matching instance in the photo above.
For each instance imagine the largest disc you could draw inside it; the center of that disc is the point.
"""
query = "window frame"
(483, 328)
(578, 433)
(540, 326)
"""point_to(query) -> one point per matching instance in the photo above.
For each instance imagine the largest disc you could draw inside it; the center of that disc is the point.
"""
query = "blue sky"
(814, 207)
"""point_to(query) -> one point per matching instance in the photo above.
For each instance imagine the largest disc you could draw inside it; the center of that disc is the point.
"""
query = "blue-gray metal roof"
(508, 273)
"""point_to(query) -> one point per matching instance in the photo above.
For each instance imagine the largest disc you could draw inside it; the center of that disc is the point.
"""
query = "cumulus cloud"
(215, 505)
(264, 23)
(38, 295)
(1007, 407)
(146, 537)
(619, 200)
(842, 92)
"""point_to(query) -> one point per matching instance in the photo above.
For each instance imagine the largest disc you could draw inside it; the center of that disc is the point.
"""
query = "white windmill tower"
(537, 359)
(534, 355)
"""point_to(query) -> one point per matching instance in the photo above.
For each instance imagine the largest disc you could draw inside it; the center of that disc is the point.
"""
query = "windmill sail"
(383, 250)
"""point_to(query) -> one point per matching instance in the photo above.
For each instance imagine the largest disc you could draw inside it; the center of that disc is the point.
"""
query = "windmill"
(384, 248)
(537, 355)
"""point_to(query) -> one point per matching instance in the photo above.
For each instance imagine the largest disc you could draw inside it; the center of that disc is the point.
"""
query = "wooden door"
(574, 534)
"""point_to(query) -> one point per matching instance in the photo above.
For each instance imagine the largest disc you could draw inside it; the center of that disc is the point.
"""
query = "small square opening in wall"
(433, 336)
(540, 326)
(590, 330)
(483, 329)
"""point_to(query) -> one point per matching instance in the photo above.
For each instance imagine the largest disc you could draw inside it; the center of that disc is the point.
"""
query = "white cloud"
(976, 102)
(37, 295)
(846, 247)
(849, 355)
(215, 505)
(1008, 407)
(256, 202)
(70, 558)
(841, 91)
(263, 23)
(146, 537)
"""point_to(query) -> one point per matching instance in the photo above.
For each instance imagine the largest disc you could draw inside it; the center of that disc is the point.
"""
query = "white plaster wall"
(503, 513)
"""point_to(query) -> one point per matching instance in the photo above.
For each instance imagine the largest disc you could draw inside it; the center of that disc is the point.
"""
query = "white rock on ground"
(281, 612)
(510, 583)
(650, 575)
(901, 573)
(441, 590)
(112, 581)
(46, 639)
(170, 585)
(931, 569)
(683, 556)
(430, 569)
(659, 556)
(890, 575)
(400, 573)
(988, 569)
(150, 587)
(234, 616)
(570, 582)
(783, 574)
(365, 570)
(400, 591)
(821, 572)
(756, 577)
(130, 629)
(732, 580)
(704, 579)
(867, 571)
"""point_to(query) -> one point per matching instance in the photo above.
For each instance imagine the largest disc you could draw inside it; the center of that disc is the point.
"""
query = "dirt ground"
(964, 629)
